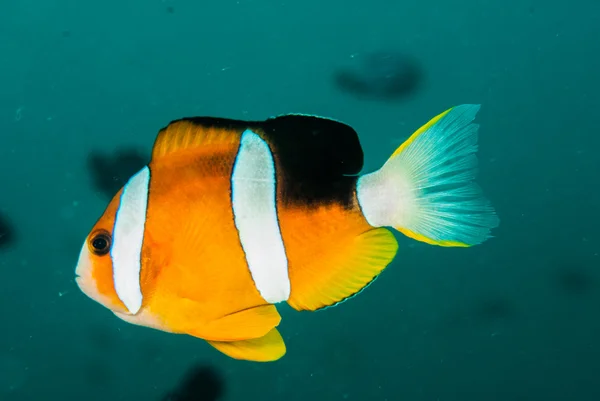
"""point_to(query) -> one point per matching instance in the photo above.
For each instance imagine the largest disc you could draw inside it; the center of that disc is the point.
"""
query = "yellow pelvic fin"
(267, 348)
(346, 269)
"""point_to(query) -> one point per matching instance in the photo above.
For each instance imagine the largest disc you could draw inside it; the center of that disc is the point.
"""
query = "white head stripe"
(253, 195)
(128, 236)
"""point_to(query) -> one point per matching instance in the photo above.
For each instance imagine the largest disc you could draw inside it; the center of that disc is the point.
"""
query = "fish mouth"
(78, 280)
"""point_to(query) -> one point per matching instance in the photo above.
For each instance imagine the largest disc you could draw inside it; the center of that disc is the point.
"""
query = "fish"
(231, 218)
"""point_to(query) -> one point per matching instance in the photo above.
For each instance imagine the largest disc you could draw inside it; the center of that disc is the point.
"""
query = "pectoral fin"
(186, 316)
(250, 323)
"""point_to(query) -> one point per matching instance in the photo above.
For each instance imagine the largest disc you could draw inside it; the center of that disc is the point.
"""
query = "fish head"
(94, 271)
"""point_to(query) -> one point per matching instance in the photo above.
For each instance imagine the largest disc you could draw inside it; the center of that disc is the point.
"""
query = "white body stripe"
(128, 236)
(253, 193)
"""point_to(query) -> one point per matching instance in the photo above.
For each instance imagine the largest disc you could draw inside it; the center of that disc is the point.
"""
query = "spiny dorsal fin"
(193, 134)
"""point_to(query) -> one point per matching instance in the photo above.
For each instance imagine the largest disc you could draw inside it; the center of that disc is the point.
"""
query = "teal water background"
(517, 318)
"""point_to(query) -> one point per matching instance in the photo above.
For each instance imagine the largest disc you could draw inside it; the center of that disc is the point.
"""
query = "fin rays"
(429, 183)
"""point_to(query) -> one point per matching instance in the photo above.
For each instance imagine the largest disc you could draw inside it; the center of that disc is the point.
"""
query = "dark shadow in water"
(7, 233)
(201, 383)
(383, 76)
(494, 309)
(483, 312)
(110, 172)
(575, 280)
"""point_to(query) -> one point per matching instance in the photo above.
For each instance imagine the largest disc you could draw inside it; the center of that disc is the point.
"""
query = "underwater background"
(85, 87)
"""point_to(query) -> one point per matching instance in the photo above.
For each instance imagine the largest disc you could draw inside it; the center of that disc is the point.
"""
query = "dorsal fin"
(196, 133)
(314, 146)
(318, 159)
(306, 145)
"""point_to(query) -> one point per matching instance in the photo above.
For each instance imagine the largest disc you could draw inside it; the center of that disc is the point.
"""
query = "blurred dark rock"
(384, 76)
(495, 309)
(575, 280)
(110, 172)
(7, 232)
(201, 383)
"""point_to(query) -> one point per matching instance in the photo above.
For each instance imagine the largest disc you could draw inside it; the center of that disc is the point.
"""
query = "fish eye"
(100, 243)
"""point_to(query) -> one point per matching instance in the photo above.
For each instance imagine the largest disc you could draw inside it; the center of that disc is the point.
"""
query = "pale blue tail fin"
(426, 189)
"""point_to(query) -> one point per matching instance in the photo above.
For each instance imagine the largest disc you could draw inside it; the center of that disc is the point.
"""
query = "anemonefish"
(232, 217)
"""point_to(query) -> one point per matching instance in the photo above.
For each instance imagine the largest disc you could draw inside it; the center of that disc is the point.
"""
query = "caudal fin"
(426, 190)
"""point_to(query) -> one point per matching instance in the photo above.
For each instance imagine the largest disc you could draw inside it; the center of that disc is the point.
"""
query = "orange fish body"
(232, 217)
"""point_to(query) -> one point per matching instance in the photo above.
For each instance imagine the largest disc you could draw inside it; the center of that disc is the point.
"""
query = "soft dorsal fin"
(314, 146)
(317, 158)
(197, 133)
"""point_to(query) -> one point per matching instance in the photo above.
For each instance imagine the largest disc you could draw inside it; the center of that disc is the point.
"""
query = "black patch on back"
(319, 158)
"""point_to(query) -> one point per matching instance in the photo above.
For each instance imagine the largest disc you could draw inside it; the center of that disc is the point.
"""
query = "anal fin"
(343, 271)
(267, 348)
